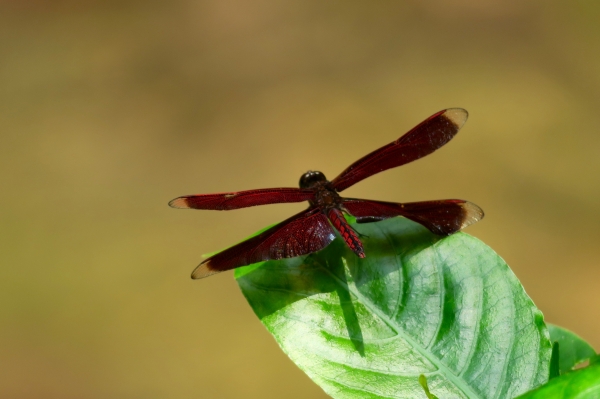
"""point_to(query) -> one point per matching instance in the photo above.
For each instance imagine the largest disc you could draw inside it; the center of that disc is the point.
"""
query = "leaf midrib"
(449, 373)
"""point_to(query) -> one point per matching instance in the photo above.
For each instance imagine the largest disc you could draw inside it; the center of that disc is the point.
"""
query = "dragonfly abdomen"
(348, 234)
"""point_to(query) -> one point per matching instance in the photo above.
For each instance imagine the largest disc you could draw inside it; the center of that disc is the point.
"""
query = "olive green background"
(109, 109)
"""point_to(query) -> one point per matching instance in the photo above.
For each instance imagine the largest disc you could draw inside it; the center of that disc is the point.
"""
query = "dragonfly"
(315, 227)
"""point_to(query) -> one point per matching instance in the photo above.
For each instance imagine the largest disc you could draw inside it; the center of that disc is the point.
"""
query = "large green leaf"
(580, 384)
(572, 348)
(448, 308)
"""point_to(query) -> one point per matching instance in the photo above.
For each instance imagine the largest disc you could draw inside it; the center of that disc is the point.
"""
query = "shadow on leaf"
(329, 273)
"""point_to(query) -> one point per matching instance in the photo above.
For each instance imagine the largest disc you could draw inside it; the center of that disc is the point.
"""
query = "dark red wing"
(303, 233)
(422, 140)
(241, 199)
(442, 217)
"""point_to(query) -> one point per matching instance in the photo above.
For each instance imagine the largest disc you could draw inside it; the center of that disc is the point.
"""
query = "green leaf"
(448, 308)
(573, 349)
(580, 384)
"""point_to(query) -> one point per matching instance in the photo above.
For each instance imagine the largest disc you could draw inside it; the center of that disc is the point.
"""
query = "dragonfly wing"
(303, 233)
(442, 217)
(422, 140)
(241, 199)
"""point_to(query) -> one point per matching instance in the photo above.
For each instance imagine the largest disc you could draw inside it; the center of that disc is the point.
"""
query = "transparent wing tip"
(180, 203)
(457, 116)
(203, 270)
(471, 214)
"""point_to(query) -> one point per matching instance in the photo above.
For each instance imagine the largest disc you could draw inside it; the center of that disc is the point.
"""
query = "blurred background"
(109, 109)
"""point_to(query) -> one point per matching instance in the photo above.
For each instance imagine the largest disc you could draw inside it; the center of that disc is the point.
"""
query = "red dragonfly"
(314, 228)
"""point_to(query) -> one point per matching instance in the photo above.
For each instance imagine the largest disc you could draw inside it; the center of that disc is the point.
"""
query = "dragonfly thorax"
(325, 195)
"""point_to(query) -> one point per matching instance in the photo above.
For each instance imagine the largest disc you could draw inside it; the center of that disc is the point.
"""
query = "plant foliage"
(573, 350)
(580, 384)
(448, 308)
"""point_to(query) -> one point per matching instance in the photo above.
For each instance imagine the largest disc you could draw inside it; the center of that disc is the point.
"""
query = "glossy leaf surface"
(572, 348)
(580, 384)
(448, 308)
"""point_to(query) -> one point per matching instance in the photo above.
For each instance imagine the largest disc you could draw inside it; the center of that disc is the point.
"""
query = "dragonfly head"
(311, 178)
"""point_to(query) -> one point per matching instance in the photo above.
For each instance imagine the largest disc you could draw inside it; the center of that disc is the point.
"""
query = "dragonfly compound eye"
(311, 178)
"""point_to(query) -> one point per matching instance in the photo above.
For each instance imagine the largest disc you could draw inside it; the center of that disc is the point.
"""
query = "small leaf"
(573, 349)
(448, 308)
(580, 384)
(423, 382)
